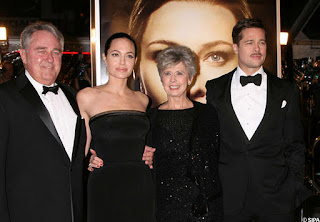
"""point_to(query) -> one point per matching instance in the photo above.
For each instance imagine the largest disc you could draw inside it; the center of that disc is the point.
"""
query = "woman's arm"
(82, 99)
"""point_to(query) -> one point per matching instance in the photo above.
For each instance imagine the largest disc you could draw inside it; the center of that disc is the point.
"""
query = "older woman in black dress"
(185, 134)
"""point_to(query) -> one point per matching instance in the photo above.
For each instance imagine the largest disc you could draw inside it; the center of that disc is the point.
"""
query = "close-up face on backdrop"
(197, 25)
(205, 26)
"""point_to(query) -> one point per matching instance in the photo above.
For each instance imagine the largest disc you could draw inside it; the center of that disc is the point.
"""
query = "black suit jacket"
(38, 182)
(273, 158)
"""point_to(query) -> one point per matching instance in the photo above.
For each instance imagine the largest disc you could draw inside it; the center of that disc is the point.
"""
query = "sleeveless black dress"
(122, 190)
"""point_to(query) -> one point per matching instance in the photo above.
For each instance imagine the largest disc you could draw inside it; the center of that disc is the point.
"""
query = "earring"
(133, 75)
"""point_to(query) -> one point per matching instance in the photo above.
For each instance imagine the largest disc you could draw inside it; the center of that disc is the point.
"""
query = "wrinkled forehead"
(44, 39)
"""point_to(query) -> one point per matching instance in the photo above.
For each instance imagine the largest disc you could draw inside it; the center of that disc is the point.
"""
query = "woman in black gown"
(122, 189)
(186, 136)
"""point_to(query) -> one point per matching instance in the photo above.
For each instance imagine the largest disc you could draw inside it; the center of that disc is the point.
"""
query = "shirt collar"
(242, 73)
(38, 86)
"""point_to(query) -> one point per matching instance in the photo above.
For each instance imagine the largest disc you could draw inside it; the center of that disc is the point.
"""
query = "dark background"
(73, 16)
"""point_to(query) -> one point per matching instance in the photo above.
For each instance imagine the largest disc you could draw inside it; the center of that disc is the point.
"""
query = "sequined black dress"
(188, 186)
(122, 190)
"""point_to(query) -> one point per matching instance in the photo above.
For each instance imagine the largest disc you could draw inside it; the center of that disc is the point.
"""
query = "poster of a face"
(205, 26)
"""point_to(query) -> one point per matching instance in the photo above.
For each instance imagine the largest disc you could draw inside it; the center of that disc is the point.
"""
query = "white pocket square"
(284, 103)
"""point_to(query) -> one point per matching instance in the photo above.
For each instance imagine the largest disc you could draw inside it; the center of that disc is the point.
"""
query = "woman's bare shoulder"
(85, 93)
(142, 97)
(89, 94)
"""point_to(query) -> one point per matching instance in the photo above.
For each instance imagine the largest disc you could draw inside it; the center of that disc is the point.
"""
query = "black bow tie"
(244, 80)
(53, 89)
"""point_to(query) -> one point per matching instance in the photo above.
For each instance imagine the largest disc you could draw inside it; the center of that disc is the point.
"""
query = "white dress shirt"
(249, 101)
(61, 113)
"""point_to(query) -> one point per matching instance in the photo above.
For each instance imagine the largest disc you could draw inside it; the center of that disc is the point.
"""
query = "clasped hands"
(96, 162)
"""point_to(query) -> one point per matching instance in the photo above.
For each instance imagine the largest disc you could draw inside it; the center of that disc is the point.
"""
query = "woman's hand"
(147, 156)
(95, 161)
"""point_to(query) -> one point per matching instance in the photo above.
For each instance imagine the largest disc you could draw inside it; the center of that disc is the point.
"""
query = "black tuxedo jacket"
(38, 182)
(273, 158)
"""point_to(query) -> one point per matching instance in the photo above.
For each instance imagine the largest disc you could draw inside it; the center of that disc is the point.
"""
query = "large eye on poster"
(203, 26)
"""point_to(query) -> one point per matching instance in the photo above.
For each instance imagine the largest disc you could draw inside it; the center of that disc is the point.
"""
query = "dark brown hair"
(119, 35)
(245, 24)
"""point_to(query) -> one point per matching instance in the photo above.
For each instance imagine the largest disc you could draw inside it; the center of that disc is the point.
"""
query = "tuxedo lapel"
(229, 111)
(32, 97)
(80, 125)
(80, 121)
(273, 95)
(71, 98)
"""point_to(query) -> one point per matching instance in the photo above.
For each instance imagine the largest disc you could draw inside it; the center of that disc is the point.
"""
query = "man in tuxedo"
(42, 136)
(262, 147)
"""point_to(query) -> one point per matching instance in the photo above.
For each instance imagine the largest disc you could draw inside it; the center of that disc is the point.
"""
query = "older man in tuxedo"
(42, 136)
(262, 147)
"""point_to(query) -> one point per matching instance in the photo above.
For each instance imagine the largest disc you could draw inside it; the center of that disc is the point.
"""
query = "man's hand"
(95, 161)
(147, 156)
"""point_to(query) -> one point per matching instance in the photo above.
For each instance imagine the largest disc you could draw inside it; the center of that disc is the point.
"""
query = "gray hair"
(173, 55)
(28, 31)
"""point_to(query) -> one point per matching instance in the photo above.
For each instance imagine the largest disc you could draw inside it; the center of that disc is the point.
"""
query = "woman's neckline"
(188, 105)
(115, 112)
(176, 109)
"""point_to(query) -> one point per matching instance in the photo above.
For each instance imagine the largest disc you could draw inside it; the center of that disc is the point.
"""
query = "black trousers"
(247, 217)
(254, 209)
